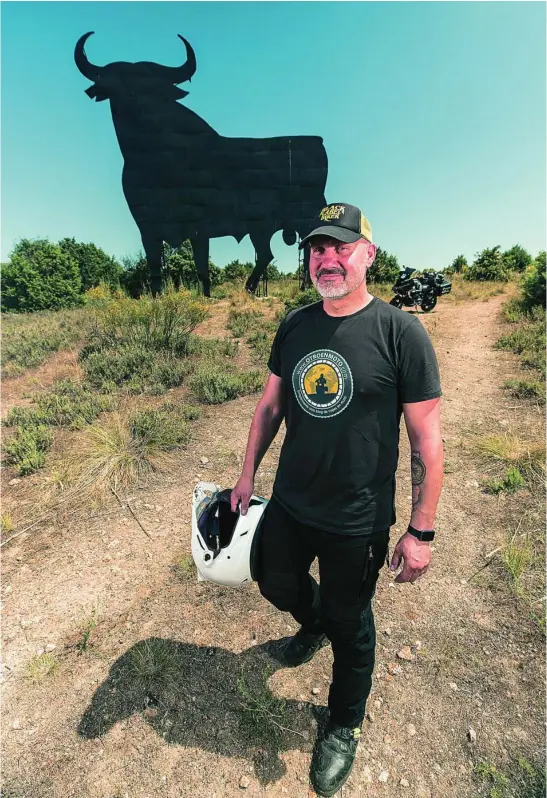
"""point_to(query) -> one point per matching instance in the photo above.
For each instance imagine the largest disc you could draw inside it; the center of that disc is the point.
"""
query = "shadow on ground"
(206, 697)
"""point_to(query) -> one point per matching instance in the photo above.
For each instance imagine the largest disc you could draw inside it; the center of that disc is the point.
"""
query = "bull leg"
(306, 280)
(264, 256)
(200, 247)
(153, 249)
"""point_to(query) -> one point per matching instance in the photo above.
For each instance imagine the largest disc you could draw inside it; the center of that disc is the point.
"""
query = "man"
(342, 371)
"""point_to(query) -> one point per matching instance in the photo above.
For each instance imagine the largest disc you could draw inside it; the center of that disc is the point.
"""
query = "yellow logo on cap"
(331, 212)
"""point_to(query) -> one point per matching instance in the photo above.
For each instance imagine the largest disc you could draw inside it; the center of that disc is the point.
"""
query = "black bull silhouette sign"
(182, 180)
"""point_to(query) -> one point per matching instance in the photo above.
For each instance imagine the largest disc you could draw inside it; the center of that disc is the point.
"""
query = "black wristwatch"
(424, 534)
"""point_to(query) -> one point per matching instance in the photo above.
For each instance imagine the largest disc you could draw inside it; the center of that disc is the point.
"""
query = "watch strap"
(424, 534)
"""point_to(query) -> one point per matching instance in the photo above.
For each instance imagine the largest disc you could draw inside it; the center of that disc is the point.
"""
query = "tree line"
(41, 275)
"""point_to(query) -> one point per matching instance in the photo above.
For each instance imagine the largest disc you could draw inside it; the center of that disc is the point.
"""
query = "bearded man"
(342, 372)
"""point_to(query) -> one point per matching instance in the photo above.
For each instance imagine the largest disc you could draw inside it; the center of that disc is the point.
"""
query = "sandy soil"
(92, 730)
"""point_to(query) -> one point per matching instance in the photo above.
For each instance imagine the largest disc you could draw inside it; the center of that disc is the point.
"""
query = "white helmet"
(224, 543)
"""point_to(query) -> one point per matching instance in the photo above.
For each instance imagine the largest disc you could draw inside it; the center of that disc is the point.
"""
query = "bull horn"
(88, 70)
(187, 70)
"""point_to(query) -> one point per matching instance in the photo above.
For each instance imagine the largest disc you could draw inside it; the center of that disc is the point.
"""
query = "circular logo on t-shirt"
(322, 383)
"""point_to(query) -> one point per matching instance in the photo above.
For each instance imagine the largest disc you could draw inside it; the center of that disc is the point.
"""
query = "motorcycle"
(424, 291)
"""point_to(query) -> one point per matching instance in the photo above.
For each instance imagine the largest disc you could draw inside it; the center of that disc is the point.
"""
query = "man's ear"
(371, 254)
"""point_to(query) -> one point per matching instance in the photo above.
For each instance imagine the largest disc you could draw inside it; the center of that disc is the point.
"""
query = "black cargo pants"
(340, 606)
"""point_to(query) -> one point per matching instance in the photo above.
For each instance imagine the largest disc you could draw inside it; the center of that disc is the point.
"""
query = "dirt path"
(478, 660)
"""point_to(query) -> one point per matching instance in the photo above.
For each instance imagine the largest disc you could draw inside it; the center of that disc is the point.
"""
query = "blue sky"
(432, 114)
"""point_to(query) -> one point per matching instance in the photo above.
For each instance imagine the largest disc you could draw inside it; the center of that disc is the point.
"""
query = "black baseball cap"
(340, 221)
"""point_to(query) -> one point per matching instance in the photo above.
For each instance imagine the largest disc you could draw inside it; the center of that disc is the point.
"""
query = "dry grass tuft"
(527, 456)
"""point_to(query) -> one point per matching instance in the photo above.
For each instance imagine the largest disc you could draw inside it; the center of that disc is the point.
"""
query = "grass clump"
(263, 713)
(68, 404)
(527, 457)
(511, 482)
(526, 389)
(153, 665)
(242, 321)
(29, 338)
(521, 780)
(213, 383)
(41, 666)
(118, 452)
(6, 522)
(26, 450)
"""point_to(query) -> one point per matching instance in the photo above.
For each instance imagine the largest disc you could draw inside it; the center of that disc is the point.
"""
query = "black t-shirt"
(344, 381)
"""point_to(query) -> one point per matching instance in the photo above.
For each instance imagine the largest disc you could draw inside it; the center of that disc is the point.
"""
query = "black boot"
(333, 758)
(302, 647)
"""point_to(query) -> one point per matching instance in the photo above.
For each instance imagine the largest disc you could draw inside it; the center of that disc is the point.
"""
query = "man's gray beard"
(336, 291)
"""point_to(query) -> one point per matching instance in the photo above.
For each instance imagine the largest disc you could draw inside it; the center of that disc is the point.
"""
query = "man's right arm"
(267, 419)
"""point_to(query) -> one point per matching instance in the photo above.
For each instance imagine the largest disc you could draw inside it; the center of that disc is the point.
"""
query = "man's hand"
(242, 493)
(416, 556)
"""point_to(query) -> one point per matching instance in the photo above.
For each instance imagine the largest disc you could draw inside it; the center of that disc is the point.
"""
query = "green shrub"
(512, 481)
(242, 321)
(159, 429)
(212, 348)
(163, 323)
(533, 283)
(488, 265)
(40, 276)
(306, 297)
(526, 389)
(213, 384)
(26, 449)
(28, 338)
(68, 404)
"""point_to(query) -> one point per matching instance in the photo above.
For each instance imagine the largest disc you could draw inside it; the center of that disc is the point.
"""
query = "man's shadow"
(206, 697)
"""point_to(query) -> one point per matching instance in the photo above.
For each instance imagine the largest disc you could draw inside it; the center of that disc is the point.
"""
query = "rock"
(404, 782)
(316, 690)
(453, 686)
(370, 717)
(203, 460)
(300, 706)
(148, 506)
(244, 782)
(377, 704)
(393, 669)
(16, 724)
(471, 735)
(387, 632)
(411, 730)
(383, 777)
(14, 481)
(406, 654)
(50, 647)
(39, 652)
(150, 712)
(367, 774)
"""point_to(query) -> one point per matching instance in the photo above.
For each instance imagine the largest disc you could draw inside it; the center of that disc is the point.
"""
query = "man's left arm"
(423, 423)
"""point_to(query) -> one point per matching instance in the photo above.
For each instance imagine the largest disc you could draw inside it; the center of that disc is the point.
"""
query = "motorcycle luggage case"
(446, 288)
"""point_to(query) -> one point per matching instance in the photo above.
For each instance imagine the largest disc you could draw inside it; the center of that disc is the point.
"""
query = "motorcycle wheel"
(428, 303)
(397, 302)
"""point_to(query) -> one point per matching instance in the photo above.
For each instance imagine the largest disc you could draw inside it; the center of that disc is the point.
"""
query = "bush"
(488, 265)
(237, 271)
(68, 404)
(516, 259)
(512, 481)
(306, 297)
(40, 276)
(385, 268)
(159, 429)
(533, 283)
(94, 265)
(242, 321)
(26, 449)
(161, 323)
(212, 384)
